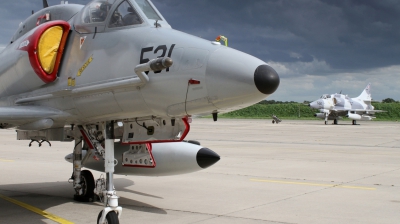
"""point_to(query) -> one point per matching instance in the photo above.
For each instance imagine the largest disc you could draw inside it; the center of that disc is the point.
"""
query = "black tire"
(111, 218)
(354, 122)
(273, 122)
(87, 182)
(326, 122)
(335, 121)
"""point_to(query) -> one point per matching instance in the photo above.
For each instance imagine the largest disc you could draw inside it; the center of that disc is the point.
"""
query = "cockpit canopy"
(97, 11)
(325, 96)
(98, 15)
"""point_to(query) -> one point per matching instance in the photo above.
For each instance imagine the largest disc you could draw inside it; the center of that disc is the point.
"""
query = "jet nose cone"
(206, 157)
(266, 79)
(313, 105)
(236, 80)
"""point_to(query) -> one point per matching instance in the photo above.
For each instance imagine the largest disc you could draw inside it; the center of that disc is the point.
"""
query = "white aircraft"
(334, 106)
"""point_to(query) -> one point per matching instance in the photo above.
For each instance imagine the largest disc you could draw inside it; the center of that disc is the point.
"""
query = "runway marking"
(314, 184)
(6, 160)
(37, 210)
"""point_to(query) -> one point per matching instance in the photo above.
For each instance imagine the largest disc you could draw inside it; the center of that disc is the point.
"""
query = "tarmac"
(291, 172)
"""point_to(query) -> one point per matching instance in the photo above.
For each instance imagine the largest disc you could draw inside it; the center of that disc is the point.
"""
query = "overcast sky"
(316, 46)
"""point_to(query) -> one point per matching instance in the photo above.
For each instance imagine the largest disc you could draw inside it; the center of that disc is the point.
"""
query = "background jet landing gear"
(335, 121)
(354, 122)
(326, 118)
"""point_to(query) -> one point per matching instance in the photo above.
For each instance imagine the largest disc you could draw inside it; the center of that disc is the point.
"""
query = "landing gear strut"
(111, 213)
(83, 180)
(85, 193)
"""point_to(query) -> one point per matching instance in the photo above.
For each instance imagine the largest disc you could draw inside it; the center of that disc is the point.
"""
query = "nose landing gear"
(110, 218)
(83, 180)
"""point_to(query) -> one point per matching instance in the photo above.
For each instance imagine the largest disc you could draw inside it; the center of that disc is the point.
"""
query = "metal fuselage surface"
(93, 80)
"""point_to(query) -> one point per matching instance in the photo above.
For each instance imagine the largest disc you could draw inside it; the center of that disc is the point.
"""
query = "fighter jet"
(335, 106)
(116, 79)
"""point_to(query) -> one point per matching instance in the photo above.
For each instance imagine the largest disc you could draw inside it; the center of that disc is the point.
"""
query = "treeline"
(275, 102)
(294, 110)
(387, 100)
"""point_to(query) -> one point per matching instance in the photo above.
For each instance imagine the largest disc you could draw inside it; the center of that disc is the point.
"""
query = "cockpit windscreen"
(148, 9)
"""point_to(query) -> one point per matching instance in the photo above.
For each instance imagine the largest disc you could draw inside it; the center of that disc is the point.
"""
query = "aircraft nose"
(206, 157)
(313, 105)
(235, 80)
(266, 79)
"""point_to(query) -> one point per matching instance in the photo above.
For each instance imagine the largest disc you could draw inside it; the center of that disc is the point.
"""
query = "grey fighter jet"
(114, 77)
(335, 106)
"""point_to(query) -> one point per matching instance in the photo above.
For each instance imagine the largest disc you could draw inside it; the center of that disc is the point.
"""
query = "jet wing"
(356, 110)
(362, 110)
(339, 109)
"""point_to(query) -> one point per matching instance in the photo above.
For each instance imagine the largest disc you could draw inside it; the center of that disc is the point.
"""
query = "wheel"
(326, 122)
(354, 122)
(111, 218)
(273, 121)
(335, 121)
(87, 182)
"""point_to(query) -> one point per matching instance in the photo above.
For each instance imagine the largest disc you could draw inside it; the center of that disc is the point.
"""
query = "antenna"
(45, 4)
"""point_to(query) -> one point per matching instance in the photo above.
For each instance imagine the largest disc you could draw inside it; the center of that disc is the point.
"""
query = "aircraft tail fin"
(45, 4)
(366, 94)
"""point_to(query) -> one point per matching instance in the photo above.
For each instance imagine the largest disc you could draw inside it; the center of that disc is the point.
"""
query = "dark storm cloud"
(346, 34)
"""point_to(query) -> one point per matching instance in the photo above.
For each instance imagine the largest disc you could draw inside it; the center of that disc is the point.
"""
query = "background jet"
(116, 70)
(333, 106)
